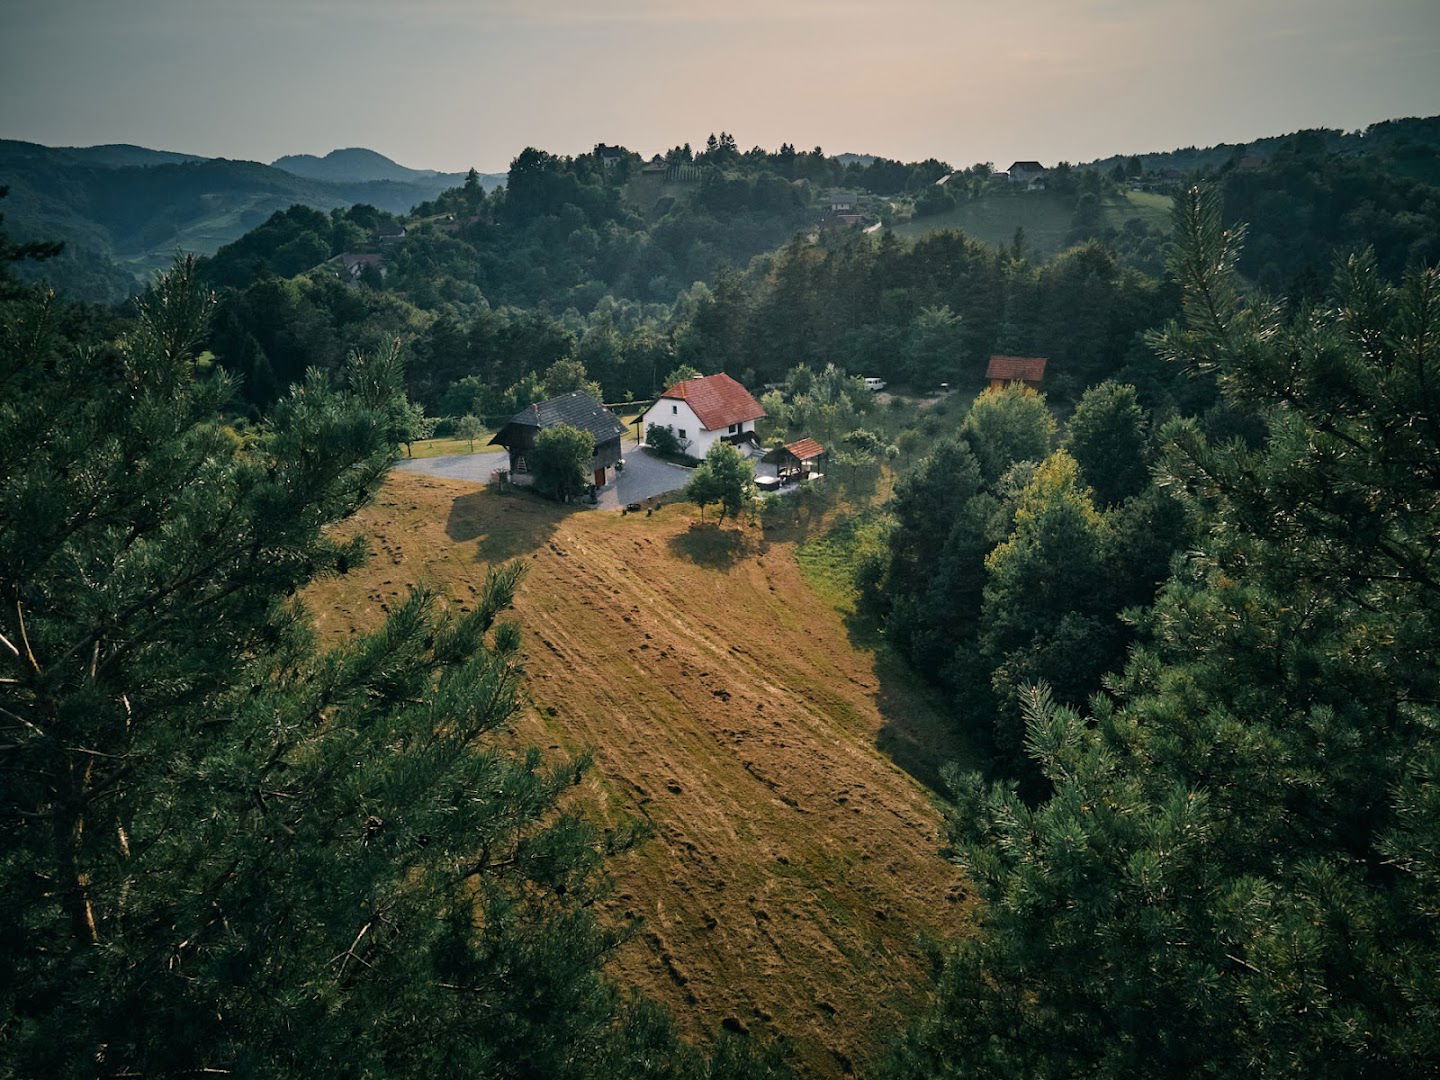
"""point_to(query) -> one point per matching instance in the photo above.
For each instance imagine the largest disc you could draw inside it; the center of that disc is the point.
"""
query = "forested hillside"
(735, 261)
(123, 212)
(1152, 643)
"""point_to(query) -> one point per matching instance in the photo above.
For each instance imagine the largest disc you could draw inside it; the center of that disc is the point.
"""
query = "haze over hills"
(123, 211)
(357, 164)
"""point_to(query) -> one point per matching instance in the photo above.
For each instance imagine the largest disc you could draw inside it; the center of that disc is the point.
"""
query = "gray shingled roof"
(578, 409)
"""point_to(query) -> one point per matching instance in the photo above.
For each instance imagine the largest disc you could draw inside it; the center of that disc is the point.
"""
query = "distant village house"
(390, 232)
(1030, 173)
(609, 156)
(1005, 370)
(578, 410)
(704, 411)
(354, 265)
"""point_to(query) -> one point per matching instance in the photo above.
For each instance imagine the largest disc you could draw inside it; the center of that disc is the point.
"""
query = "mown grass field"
(772, 747)
(1045, 217)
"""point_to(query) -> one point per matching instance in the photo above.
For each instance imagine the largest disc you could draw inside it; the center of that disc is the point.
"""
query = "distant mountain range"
(124, 211)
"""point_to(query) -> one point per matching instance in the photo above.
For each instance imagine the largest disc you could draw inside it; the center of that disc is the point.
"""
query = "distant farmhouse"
(704, 411)
(354, 264)
(609, 156)
(1004, 370)
(578, 410)
(842, 202)
(1029, 173)
(389, 232)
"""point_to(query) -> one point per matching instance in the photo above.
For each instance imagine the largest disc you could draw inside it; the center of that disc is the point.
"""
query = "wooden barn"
(578, 410)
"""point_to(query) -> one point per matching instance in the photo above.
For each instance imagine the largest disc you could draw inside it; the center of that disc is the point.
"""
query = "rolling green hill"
(1045, 216)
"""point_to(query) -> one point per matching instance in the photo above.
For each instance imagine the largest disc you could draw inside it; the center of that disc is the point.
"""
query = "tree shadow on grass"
(709, 544)
(924, 727)
(924, 730)
(506, 526)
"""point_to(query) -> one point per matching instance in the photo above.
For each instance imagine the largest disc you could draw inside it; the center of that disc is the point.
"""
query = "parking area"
(643, 477)
(473, 467)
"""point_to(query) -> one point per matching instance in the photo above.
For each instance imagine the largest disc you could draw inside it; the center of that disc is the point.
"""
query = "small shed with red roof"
(704, 411)
(796, 460)
(1004, 370)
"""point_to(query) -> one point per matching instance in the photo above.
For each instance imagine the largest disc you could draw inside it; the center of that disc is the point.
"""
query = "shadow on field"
(506, 526)
(924, 728)
(709, 544)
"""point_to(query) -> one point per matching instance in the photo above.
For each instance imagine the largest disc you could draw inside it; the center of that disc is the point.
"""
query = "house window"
(732, 429)
(680, 433)
(675, 410)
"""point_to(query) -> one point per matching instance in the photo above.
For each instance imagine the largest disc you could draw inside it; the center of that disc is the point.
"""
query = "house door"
(600, 476)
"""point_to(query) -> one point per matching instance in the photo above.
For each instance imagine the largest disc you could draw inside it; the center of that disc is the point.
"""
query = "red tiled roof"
(718, 400)
(805, 449)
(1017, 368)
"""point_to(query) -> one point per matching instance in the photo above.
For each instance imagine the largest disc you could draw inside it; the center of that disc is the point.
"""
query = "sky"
(447, 84)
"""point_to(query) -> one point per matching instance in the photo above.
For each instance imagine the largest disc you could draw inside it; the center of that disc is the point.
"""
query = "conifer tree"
(1236, 873)
(224, 848)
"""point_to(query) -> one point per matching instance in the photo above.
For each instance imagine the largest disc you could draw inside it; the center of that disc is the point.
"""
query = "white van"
(875, 384)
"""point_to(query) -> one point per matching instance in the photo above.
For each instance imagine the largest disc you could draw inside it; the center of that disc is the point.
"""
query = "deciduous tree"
(560, 461)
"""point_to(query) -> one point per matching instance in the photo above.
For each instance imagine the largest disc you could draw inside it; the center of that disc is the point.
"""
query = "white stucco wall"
(679, 417)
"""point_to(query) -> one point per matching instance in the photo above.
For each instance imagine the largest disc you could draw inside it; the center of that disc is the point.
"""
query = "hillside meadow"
(795, 865)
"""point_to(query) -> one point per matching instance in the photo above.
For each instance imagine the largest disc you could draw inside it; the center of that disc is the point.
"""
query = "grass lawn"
(1045, 216)
(451, 445)
(447, 446)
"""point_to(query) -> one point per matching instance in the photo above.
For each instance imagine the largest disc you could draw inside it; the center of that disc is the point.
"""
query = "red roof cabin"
(1004, 370)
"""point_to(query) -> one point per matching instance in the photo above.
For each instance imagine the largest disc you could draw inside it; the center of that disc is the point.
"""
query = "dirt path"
(794, 864)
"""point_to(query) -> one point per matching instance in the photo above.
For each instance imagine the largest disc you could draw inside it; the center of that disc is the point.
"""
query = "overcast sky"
(451, 83)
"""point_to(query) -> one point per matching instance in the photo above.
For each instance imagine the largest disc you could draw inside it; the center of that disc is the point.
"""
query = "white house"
(1030, 173)
(702, 412)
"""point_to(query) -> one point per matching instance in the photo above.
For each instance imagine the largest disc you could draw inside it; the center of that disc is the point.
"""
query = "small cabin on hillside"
(578, 410)
(701, 412)
(1004, 370)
